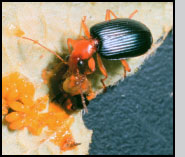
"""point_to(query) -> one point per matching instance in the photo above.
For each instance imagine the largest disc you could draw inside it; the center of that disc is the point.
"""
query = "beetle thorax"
(82, 50)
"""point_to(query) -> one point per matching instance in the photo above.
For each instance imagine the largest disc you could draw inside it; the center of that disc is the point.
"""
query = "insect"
(113, 39)
(78, 88)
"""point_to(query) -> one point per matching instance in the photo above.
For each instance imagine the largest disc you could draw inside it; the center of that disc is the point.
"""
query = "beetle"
(116, 39)
(113, 39)
(75, 88)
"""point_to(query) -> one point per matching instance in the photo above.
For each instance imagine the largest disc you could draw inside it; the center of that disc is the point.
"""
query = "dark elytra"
(121, 38)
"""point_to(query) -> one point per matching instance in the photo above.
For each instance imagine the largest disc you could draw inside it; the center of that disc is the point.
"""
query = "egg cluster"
(21, 110)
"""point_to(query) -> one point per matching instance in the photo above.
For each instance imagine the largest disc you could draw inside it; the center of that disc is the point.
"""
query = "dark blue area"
(136, 116)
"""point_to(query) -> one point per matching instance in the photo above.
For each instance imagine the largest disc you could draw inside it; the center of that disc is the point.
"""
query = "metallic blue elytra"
(121, 38)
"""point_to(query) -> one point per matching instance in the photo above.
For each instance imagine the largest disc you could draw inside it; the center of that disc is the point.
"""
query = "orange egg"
(18, 94)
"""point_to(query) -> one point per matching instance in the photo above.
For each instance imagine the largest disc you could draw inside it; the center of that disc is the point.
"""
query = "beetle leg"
(91, 64)
(84, 26)
(133, 13)
(91, 95)
(81, 27)
(107, 16)
(70, 42)
(102, 69)
(126, 67)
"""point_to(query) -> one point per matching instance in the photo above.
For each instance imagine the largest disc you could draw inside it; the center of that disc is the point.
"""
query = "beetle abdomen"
(121, 38)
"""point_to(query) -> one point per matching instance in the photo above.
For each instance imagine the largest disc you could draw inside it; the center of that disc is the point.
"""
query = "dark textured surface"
(136, 117)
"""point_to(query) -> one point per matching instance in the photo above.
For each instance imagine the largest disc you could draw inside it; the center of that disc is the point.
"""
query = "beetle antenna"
(36, 42)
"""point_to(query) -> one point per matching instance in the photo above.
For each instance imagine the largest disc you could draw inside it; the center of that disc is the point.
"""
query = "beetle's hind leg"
(124, 62)
(126, 67)
(133, 13)
(108, 13)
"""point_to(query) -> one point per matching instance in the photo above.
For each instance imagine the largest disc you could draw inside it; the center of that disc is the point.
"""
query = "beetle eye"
(81, 66)
(80, 63)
